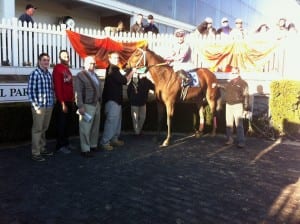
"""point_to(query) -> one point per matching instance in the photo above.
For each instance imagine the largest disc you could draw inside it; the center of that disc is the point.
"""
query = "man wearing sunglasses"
(225, 29)
(237, 104)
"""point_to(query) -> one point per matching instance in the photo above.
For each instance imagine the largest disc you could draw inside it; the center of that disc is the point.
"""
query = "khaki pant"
(41, 120)
(89, 131)
(138, 115)
(234, 115)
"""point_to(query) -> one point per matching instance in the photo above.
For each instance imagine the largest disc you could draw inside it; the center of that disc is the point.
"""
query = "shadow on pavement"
(192, 181)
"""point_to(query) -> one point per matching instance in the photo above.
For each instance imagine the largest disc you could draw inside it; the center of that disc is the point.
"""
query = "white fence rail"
(21, 45)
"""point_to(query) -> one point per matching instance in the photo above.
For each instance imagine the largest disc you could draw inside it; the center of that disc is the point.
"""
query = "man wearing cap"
(27, 16)
(225, 28)
(237, 105)
(238, 32)
(180, 58)
(206, 28)
(151, 26)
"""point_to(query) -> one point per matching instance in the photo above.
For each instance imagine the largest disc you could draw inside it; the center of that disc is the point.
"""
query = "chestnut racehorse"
(168, 87)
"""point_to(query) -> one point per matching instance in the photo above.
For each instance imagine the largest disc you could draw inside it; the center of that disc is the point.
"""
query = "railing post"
(63, 36)
(15, 46)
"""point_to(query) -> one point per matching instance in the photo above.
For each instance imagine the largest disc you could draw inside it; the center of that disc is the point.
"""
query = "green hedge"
(285, 106)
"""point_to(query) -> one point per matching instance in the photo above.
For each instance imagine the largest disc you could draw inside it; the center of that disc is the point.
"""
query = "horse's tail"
(212, 90)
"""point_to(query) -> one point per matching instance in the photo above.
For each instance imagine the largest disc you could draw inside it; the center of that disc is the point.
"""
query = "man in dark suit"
(27, 16)
(151, 26)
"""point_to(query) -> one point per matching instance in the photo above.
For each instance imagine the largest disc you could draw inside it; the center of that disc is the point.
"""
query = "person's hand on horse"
(169, 61)
(130, 74)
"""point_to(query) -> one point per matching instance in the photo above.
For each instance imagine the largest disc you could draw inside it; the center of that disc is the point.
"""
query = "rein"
(159, 64)
(143, 58)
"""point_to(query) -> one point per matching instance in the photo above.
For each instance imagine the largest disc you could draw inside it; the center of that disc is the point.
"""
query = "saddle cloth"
(194, 80)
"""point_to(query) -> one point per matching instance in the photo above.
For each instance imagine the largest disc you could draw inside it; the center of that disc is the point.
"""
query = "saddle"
(189, 79)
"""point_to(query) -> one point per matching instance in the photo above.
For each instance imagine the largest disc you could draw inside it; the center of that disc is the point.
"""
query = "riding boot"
(185, 77)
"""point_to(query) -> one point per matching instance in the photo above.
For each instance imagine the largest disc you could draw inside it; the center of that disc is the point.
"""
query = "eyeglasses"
(225, 22)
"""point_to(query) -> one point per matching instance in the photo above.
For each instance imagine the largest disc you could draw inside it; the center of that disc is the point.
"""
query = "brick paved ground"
(193, 181)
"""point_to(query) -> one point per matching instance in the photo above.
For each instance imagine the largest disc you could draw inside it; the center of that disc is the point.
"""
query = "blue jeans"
(113, 121)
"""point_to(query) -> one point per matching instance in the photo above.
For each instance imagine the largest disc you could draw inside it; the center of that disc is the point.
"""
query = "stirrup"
(184, 92)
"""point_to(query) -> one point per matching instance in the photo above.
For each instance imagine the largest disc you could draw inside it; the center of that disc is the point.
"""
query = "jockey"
(180, 58)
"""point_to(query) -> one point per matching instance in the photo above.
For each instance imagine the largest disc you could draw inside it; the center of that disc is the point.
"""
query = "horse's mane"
(164, 71)
(157, 57)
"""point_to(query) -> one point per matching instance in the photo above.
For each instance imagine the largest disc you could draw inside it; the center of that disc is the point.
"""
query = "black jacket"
(113, 85)
(237, 91)
(138, 92)
(151, 28)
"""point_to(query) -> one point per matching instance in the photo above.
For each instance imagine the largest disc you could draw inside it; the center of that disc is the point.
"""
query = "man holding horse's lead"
(113, 99)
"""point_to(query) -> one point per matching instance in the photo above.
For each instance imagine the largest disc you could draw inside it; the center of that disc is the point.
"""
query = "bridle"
(143, 58)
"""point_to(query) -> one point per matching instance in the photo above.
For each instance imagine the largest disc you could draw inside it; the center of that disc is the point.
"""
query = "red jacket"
(63, 83)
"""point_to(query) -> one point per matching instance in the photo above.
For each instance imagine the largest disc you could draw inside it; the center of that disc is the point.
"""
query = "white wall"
(7, 8)
(50, 11)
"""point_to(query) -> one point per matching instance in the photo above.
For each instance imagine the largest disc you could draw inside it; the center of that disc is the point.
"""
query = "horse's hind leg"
(212, 97)
(200, 129)
(161, 110)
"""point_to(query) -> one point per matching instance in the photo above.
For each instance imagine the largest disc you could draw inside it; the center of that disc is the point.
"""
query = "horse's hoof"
(164, 144)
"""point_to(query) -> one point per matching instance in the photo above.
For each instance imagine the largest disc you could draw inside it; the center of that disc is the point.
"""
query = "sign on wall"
(13, 92)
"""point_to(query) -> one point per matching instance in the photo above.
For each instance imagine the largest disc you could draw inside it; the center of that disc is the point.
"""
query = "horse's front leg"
(170, 112)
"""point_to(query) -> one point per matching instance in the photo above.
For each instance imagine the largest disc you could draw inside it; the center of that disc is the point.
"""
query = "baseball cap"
(224, 19)
(208, 20)
(29, 6)
(150, 17)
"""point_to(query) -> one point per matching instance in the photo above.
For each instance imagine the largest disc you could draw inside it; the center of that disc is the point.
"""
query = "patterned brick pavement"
(193, 181)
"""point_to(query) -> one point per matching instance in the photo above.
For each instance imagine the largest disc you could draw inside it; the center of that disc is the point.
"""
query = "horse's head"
(137, 59)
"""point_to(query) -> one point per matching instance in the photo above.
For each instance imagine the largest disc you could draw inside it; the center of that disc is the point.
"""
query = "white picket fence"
(20, 44)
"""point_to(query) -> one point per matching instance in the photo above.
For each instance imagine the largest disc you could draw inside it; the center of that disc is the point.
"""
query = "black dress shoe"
(87, 154)
(95, 149)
